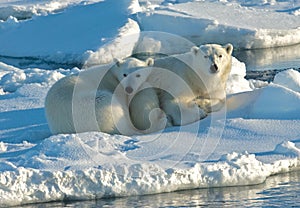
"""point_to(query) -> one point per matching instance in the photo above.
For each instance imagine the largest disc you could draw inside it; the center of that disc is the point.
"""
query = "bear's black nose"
(214, 68)
(129, 90)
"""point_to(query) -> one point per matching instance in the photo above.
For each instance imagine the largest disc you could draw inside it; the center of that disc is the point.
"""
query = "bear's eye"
(206, 56)
(220, 56)
(138, 75)
(124, 75)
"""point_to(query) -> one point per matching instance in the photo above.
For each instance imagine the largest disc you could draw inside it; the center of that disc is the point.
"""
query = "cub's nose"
(129, 90)
(214, 68)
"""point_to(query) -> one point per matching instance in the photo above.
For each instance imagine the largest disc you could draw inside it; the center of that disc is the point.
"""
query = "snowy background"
(255, 136)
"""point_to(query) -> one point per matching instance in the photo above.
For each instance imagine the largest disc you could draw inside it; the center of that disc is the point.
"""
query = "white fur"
(143, 102)
(189, 87)
(190, 84)
(93, 100)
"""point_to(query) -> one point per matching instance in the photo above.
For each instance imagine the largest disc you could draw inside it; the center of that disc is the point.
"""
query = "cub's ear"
(118, 62)
(229, 48)
(149, 61)
(195, 50)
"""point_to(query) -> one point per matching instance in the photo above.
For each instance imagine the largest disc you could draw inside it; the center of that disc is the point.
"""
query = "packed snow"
(255, 136)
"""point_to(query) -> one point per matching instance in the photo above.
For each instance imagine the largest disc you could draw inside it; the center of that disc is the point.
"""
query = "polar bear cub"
(94, 100)
(144, 108)
(142, 100)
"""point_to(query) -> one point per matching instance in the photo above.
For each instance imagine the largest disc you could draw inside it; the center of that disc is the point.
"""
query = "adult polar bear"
(190, 85)
(94, 100)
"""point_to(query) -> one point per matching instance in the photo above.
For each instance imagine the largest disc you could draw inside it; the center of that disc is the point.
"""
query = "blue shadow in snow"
(23, 125)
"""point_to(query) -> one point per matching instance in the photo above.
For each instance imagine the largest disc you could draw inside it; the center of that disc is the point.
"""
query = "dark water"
(271, 58)
(281, 190)
(255, 60)
(264, 64)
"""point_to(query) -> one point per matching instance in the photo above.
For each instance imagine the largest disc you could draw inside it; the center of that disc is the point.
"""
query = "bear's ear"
(118, 62)
(149, 61)
(195, 50)
(229, 48)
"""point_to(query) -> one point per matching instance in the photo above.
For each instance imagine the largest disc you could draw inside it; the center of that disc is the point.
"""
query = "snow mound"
(236, 81)
(270, 102)
(30, 8)
(12, 78)
(288, 78)
(126, 39)
(67, 36)
(254, 30)
(287, 148)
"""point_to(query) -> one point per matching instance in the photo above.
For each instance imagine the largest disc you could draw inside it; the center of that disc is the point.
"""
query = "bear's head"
(132, 73)
(218, 56)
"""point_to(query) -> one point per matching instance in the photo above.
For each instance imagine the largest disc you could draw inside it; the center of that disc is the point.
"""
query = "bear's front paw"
(192, 104)
(191, 113)
(199, 112)
(158, 120)
(210, 105)
(162, 123)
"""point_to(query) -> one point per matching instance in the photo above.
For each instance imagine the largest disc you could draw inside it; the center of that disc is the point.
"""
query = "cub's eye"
(124, 75)
(206, 56)
(220, 56)
(138, 75)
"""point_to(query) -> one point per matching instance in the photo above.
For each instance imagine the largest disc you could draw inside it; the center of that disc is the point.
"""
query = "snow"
(238, 72)
(77, 33)
(29, 8)
(244, 25)
(289, 78)
(287, 148)
(67, 36)
(255, 136)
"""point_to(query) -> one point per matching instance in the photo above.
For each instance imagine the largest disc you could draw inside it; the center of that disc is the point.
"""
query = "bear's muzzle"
(214, 68)
(129, 90)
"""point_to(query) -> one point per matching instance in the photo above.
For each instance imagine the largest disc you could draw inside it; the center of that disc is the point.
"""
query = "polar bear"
(94, 100)
(220, 58)
(144, 108)
(204, 70)
(143, 102)
(192, 84)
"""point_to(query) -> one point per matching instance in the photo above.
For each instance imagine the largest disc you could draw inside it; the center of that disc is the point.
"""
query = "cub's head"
(132, 73)
(218, 56)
